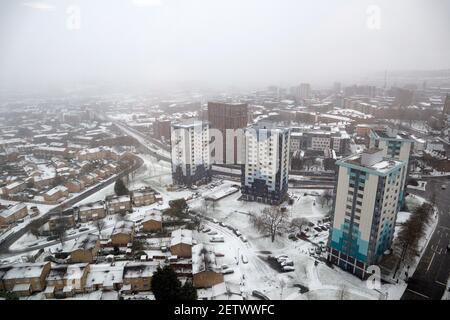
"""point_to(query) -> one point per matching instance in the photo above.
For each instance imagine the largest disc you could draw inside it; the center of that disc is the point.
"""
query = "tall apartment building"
(394, 144)
(266, 171)
(190, 152)
(320, 139)
(446, 110)
(367, 201)
(161, 129)
(223, 116)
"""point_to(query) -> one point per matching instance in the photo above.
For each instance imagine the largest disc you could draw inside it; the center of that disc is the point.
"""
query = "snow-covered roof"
(140, 269)
(181, 236)
(125, 227)
(9, 212)
(203, 259)
(25, 271)
(105, 275)
(152, 215)
(85, 242)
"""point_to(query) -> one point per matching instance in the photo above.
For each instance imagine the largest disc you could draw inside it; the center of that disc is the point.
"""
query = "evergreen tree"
(188, 292)
(165, 284)
(120, 188)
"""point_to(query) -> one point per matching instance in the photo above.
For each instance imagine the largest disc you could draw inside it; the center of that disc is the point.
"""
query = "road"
(5, 244)
(429, 280)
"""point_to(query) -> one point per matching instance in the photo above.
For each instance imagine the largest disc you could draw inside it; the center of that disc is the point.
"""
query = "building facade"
(368, 194)
(190, 153)
(266, 171)
(223, 116)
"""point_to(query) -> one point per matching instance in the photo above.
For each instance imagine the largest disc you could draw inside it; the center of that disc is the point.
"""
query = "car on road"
(237, 232)
(84, 229)
(318, 229)
(243, 238)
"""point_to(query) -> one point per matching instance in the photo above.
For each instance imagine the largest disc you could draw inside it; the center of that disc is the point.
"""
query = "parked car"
(288, 269)
(228, 271)
(244, 259)
(259, 295)
(206, 230)
(287, 263)
(317, 229)
(217, 239)
(237, 232)
(311, 251)
(212, 233)
(243, 238)
(84, 229)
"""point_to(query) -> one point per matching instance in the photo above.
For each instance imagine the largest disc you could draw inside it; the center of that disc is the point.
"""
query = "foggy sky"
(215, 43)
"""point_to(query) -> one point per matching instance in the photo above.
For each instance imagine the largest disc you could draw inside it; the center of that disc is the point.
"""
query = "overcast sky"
(216, 42)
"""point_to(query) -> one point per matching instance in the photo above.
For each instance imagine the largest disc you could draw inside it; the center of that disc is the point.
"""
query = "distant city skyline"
(52, 45)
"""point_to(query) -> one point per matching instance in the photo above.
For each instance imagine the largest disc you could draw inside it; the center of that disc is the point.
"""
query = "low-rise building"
(12, 214)
(205, 271)
(143, 197)
(137, 276)
(152, 222)
(14, 187)
(181, 243)
(74, 186)
(123, 233)
(120, 204)
(92, 211)
(85, 249)
(26, 278)
(55, 194)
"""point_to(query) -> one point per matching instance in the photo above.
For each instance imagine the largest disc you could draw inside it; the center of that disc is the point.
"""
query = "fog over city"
(202, 43)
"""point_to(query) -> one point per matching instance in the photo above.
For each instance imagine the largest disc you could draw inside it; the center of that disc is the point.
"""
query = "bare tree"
(271, 220)
(299, 223)
(412, 231)
(60, 232)
(100, 225)
(328, 196)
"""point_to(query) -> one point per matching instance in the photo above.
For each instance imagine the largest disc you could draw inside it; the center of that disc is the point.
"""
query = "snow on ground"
(259, 274)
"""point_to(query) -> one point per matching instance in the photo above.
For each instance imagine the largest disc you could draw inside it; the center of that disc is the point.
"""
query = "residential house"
(181, 243)
(120, 204)
(85, 249)
(144, 197)
(152, 222)
(205, 271)
(26, 278)
(137, 276)
(55, 194)
(92, 211)
(12, 214)
(122, 234)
